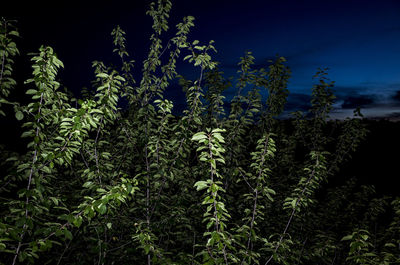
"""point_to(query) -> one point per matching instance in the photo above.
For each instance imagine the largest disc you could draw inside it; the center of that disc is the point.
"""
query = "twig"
(293, 212)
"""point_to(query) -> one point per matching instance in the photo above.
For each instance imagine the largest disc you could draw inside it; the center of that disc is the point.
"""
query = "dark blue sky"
(358, 40)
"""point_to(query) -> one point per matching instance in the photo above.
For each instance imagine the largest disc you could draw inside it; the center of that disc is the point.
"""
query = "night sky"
(359, 41)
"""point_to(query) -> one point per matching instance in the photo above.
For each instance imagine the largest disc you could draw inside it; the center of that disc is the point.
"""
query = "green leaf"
(67, 234)
(348, 237)
(19, 115)
(55, 200)
(87, 184)
(218, 130)
(31, 92)
(102, 208)
(293, 203)
(199, 136)
(78, 221)
(200, 185)
(219, 137)
(391, 245)
(102, 75)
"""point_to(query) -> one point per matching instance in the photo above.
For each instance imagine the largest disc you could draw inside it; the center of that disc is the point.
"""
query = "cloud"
(396, 96)
(353, 102)
(342, 92)
(298, 101)
(384, 112)
(393, 115)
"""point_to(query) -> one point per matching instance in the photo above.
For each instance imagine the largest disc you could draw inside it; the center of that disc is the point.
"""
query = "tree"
(115, 185)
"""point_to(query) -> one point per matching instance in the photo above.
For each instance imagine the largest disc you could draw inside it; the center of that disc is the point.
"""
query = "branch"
(293, 212)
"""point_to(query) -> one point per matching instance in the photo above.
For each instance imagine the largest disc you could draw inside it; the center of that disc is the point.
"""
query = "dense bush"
(106, 183)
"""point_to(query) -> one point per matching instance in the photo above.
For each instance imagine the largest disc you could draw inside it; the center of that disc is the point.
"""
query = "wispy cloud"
(353, 102)
(396, 96)
(298, 101)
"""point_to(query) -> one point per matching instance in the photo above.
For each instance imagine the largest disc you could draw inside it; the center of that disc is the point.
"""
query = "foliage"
(222, 183)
